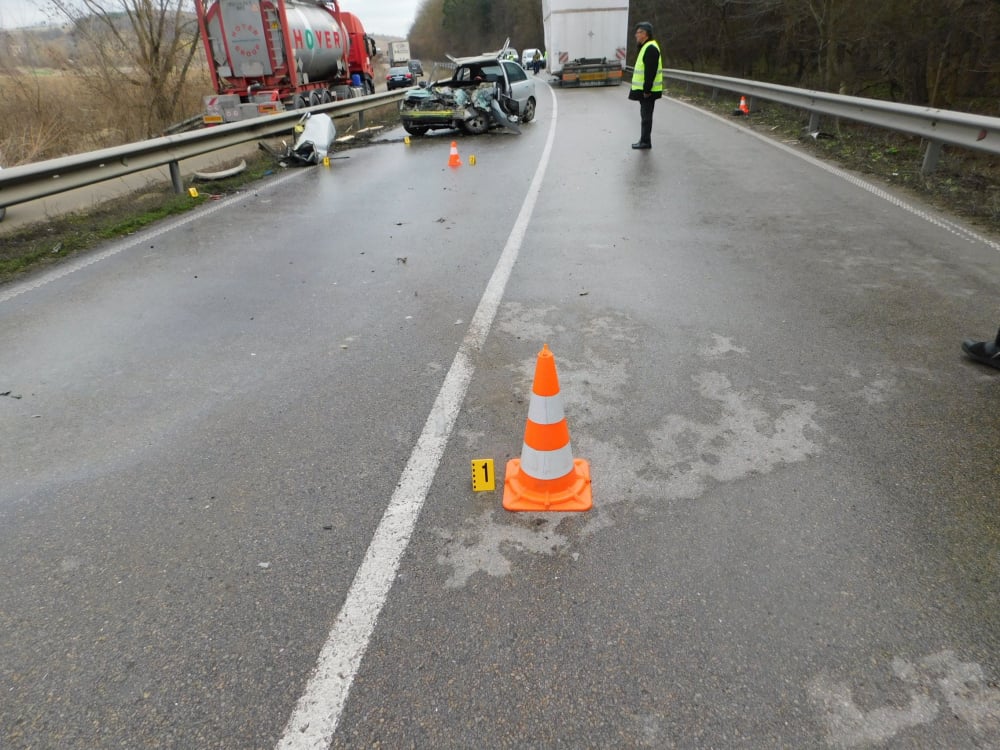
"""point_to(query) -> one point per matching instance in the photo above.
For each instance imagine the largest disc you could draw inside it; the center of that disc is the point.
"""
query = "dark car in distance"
(399, 77)
(415, 67)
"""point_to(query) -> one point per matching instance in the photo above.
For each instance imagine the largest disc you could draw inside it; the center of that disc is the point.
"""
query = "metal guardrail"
(937, 126)
(32, 181)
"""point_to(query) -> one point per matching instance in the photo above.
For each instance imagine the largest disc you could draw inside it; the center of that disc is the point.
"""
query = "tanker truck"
(265, 57)
(585, 41)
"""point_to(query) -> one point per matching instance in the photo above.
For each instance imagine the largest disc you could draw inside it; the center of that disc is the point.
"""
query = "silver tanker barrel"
(252, 33)
(321, 44)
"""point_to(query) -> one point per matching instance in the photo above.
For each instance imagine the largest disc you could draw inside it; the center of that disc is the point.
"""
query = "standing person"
(536, 61)
(647, 81)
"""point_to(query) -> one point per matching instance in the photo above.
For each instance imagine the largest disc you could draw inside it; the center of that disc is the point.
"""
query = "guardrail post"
(175, 177)
(931, 156)
(813, 122)
(361, 120)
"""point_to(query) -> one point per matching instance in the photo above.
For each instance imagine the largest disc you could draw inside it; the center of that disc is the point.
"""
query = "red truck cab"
(362, 50)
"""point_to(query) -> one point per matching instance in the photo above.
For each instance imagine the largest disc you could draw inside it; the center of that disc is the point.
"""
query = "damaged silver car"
(483, 92)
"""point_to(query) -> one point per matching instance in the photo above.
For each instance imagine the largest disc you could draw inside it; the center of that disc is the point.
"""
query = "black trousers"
(646, 118)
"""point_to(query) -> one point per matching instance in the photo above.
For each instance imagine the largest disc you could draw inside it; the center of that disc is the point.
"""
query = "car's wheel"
(416, 129)
(529, 110)
(477, 125)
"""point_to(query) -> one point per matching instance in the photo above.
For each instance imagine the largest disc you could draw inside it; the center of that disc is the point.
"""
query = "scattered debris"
(222, 174)
(316, 132)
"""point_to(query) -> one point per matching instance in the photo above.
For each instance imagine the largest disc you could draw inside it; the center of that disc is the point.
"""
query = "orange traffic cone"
(454, 160)
(546, 477)
(743, 106)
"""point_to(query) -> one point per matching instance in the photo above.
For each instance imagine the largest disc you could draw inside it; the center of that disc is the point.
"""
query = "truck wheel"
(3, 212)
(300, 102)
(315, 98)
(369, 86)
(529, 110)
(415, 129)
(478, 124)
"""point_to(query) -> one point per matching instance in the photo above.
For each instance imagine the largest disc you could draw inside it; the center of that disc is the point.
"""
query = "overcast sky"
(389, 17)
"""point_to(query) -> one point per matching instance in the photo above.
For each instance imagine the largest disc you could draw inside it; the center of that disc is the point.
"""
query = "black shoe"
(640, 144)
(987, 352)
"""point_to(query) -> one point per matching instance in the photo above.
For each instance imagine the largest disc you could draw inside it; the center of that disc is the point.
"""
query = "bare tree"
(134, 51)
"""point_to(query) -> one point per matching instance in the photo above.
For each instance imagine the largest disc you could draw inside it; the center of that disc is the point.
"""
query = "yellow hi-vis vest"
(639, 72)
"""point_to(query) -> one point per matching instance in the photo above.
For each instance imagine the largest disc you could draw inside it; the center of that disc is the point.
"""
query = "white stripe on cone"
(545, 409)
(546, 464)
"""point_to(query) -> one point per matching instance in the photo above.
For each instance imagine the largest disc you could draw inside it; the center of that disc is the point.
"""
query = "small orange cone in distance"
(743, 106)
(454, 160)
(546, 477)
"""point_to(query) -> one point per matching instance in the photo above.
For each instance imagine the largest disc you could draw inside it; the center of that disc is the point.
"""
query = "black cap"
(645, 26)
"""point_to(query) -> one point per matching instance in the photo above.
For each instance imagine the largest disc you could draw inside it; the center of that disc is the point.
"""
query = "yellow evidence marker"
(483, 476)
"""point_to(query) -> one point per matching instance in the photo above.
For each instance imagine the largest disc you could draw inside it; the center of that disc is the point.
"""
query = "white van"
(528, 56)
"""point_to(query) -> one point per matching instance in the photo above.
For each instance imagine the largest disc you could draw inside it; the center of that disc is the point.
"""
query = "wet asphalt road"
(794, 539)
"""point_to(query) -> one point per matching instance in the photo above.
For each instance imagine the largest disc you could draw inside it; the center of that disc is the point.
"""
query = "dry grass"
(46, 113)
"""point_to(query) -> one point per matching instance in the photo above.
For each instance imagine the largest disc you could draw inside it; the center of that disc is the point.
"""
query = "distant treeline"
(939, 53)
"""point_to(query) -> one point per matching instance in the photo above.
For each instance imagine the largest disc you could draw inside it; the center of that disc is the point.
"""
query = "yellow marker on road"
(483, 476)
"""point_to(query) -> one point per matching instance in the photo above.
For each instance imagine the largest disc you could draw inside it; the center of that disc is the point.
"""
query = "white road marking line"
(318, 711)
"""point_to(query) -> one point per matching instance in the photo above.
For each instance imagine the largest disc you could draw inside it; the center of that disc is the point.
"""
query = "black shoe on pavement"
(987, 352)
(640, 144)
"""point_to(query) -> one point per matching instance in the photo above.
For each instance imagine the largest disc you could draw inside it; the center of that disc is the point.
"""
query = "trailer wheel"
(369, 86)
(315, 98)
(416, 129)
(300, 102)
(529, 110)
(326, 96)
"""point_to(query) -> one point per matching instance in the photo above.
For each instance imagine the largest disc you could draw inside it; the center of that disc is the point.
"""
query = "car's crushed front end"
(474, 99)
(473, 108)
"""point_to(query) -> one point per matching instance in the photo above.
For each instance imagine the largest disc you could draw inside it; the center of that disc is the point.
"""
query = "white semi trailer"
(586, 41)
